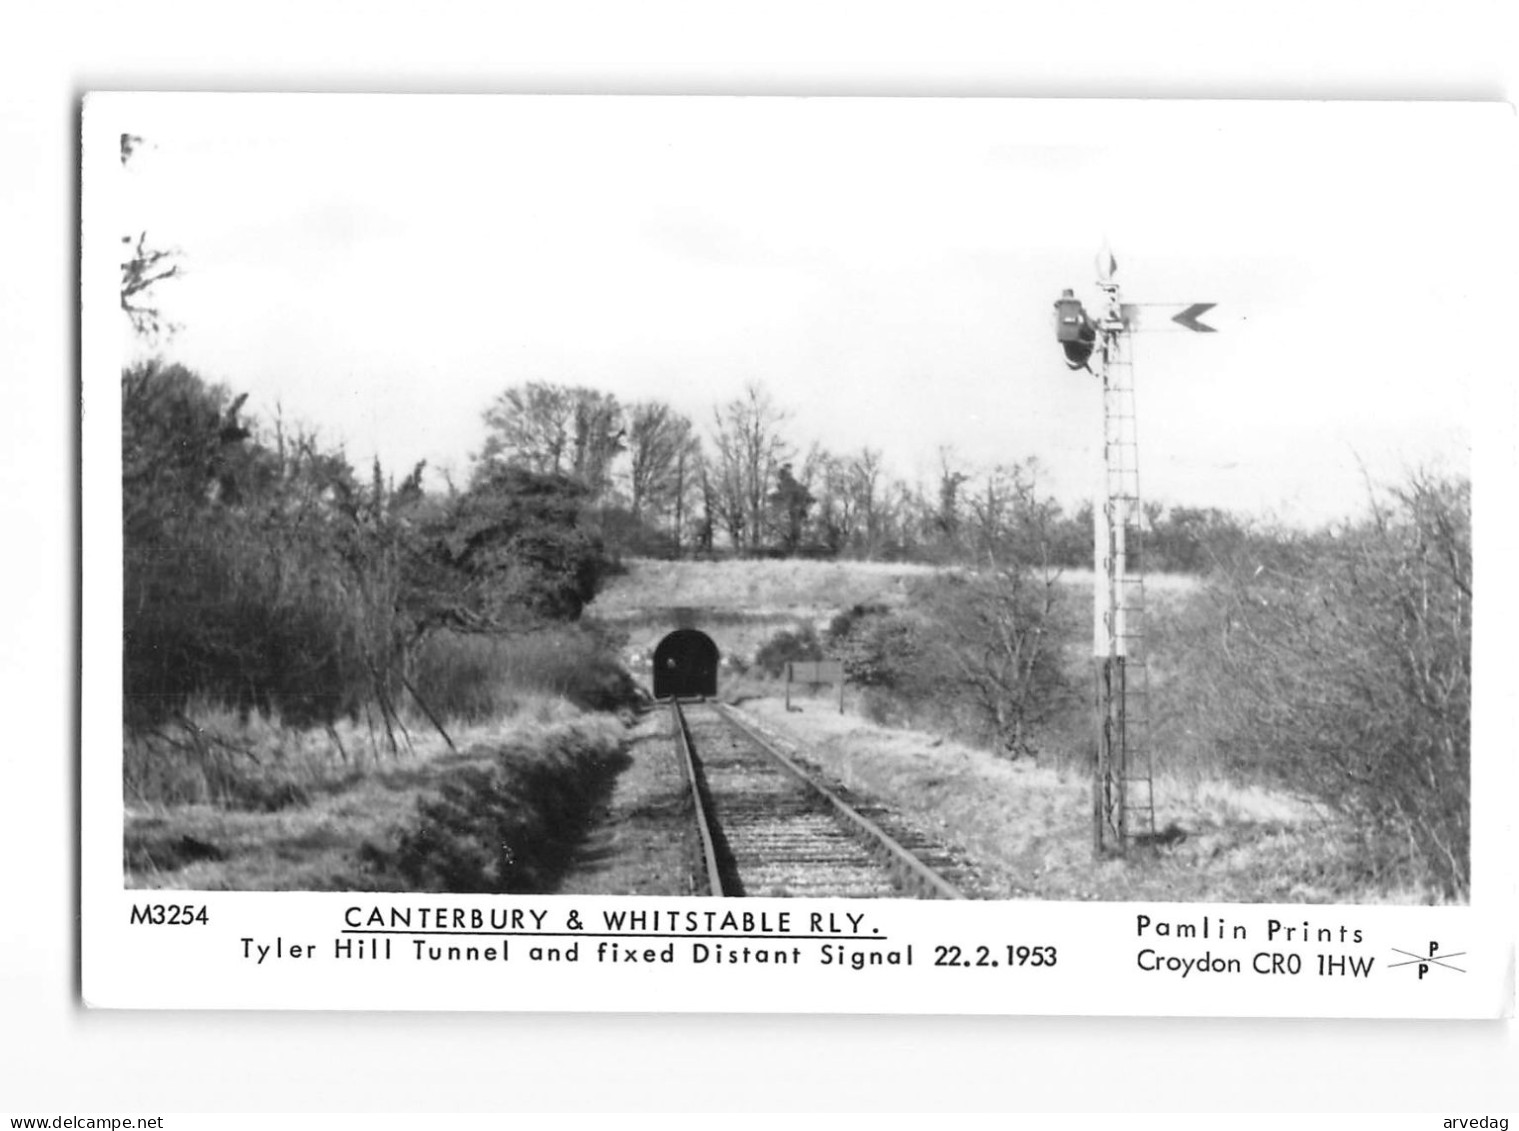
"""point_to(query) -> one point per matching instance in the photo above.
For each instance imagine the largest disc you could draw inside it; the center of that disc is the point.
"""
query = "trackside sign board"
(820, 671)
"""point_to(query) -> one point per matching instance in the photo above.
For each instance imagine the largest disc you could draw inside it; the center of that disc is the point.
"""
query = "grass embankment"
(510, 822)
(755, 589)
(1027, 827)
(741, 590)
(216, 801)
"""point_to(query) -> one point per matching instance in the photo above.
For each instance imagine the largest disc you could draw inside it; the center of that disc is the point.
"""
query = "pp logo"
(1424, 963)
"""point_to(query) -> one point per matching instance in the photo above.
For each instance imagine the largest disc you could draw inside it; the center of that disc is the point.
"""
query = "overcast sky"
(382, 267)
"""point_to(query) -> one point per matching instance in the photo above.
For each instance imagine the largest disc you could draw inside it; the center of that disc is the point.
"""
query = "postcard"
(786, 554)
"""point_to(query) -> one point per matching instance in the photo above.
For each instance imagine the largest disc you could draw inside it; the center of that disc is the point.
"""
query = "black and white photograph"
(777, 497)
(805, 546)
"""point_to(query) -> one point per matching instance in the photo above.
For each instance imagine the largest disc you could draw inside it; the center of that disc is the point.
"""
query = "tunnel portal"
(685, 665)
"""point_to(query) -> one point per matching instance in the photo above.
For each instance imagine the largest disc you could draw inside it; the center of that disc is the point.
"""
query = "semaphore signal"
(1123, 780)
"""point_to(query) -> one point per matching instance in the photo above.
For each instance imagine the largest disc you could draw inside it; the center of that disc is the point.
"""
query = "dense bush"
(514, 550)
(878, 649)
(1191, 539)
(786, 647)
(260, 576)
(977, 654)
(261, 573)
(1344, 672)
(995, 643)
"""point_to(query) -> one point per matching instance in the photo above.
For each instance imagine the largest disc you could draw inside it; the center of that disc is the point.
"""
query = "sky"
(380, 268)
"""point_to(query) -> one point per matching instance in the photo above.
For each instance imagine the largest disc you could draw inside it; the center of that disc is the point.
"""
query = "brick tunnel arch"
(685, 665)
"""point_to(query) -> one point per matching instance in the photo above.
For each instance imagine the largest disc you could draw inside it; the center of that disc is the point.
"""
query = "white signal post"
(1116, 514)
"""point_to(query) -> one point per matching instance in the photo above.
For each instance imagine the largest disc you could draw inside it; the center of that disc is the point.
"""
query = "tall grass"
(253, 804)
(217, 756)
(213, 753)
(472, 677)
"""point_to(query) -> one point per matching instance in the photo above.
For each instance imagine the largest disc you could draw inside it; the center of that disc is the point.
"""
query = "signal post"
(1123, 803)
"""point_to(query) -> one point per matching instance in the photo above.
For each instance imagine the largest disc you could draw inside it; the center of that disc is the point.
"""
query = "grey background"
(55, 1056)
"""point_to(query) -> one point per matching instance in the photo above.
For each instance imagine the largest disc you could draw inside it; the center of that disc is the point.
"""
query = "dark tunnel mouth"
(685, 665)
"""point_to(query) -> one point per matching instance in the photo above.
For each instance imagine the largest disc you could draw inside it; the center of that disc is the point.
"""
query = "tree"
(749, 451)
(1009, 520)
(947, 516)
(836, 515)
(978, 652)
(661, 449)
(513, 551)
(725, 497)
(1071, 537)
(530, 427)
(181, 441)
(555, 430)
(789, 503)
(813, 534)
(686, 477)
(999, 630)
(143, 268)
(863, 479)
(706, 523)
(598, 440)
(1192, 539)
(996, 632)
(898, 534)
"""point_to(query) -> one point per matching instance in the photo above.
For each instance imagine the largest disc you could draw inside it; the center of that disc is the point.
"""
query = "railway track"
(770, 828)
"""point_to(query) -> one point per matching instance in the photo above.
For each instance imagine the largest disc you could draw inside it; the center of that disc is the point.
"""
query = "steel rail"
(715, 885)
(919, 874)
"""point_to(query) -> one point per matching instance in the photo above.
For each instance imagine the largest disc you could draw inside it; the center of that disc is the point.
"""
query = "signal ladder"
(1125, 797)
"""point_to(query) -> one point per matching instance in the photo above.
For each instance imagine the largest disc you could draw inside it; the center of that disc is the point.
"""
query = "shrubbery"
(513, 551)
(787, 647)
(262, 574)
(977, 654)
(1341, 670)
(874, 646)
